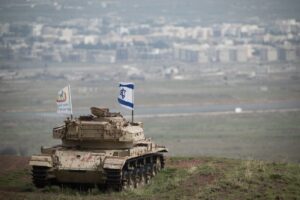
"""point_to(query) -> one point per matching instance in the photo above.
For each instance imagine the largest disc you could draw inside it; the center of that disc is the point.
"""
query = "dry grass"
(184, 178)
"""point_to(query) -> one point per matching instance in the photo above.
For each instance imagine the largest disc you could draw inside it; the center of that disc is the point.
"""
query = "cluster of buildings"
(108, 40)
(225, 43)
(237, 53)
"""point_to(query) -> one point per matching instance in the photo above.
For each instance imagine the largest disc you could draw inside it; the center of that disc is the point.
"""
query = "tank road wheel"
(158, 165)
(141, 177)
(146, 176)
(40, 176)
(135, 176)
(148, 171)
(131, 180)
(138, 178)
(153, 170)
(162, 162)
(125, 180)
(128, 181)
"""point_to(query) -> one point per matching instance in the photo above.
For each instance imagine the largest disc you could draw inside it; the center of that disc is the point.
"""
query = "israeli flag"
(126, 95)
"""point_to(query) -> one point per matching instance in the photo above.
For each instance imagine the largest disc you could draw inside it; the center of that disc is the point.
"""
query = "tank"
(102, 149)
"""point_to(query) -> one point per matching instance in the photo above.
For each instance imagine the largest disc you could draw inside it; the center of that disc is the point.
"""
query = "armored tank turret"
(101, 149)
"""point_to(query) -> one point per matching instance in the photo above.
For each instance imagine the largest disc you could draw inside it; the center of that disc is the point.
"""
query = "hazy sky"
(203, 11)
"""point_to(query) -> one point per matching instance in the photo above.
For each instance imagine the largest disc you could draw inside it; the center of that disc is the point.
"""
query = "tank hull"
(66, 166)
(104, 149)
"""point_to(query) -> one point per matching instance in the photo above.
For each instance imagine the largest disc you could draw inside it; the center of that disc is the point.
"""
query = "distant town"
(106, 41)
(110, 40)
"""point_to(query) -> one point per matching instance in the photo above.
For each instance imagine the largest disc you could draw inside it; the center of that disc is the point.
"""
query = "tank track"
(40, 176)
(135, 173)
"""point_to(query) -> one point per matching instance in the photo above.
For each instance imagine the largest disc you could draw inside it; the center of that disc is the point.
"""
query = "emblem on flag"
(125, 98)
(63, 101)
(62, 96)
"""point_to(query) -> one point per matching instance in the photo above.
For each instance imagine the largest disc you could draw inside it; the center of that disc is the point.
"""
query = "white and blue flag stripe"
(126, 95)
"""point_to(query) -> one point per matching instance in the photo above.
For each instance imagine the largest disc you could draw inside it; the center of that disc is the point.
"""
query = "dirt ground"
(11, 163)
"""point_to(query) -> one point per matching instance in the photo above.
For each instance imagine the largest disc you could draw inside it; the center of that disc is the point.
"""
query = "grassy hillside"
(183, 178)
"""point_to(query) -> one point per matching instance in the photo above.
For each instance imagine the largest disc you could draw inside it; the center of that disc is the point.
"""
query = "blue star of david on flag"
(125, 98)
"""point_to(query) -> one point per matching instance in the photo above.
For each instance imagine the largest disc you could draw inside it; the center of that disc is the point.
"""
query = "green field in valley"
(267, 136)
(28, 116)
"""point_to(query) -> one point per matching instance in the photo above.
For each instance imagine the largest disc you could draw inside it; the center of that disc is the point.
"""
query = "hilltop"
(183, 178)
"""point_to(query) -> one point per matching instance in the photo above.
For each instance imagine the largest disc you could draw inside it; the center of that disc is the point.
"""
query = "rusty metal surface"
(78, 160)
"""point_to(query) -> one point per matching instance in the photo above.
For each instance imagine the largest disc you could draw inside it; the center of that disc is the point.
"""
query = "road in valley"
(182, 110)
(186, 110)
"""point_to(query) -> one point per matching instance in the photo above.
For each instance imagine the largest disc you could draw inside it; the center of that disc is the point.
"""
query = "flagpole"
(71, 102)
(132, 112)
